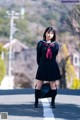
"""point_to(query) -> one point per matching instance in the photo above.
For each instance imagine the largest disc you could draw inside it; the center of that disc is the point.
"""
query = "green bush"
(2, 69)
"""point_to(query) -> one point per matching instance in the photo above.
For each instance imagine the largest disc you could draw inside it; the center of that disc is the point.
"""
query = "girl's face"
(49, 35)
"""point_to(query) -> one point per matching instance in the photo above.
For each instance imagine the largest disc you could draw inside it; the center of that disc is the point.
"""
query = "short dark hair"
(49, 29)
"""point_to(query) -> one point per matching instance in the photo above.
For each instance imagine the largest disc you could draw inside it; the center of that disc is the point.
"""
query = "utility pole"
(13, 15)
(11, 38)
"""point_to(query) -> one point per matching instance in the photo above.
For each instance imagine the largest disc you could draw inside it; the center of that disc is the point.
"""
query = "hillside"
(38, 15)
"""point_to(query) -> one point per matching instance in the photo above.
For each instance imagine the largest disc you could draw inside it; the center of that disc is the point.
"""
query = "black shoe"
(52, 105)
(35, 106)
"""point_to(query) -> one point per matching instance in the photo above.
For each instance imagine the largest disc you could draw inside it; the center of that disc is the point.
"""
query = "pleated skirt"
(48, 71)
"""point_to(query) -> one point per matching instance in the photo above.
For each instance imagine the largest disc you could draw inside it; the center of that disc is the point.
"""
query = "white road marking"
(48, 114)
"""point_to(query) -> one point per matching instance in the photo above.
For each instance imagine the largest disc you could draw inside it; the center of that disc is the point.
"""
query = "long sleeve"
(56, 48)
(38, 52)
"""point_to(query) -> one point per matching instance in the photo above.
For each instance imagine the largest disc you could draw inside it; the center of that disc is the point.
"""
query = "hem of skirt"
(47, 79)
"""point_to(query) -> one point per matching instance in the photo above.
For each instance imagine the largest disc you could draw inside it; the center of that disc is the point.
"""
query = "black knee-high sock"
(37, 93)
(54, 93)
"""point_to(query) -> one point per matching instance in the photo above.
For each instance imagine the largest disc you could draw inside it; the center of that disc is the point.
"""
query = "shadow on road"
(69, 92)
(62, 111)
(31, 91)
(22, 110)
(67, 111)
(17, 91)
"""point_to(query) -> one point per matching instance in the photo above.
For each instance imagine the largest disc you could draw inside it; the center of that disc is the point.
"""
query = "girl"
(48, 70)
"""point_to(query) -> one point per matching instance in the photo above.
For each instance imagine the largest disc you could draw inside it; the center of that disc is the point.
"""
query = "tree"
(63, 61)
(67, 69)
(4, 24)
(2, 64)
(75, 84)
(70, 73)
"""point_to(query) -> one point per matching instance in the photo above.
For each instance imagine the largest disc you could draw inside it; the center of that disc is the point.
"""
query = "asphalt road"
(18, 104)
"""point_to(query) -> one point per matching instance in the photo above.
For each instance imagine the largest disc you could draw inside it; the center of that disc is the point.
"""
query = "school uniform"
(48, 69)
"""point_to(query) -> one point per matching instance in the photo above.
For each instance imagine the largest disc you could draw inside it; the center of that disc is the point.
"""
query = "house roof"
(3, 42)
(16, 45)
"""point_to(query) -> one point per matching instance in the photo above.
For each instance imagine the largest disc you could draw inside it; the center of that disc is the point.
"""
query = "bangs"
(50, 30)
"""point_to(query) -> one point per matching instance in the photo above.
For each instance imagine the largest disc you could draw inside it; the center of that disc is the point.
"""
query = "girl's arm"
(56, 48)
(38, 52)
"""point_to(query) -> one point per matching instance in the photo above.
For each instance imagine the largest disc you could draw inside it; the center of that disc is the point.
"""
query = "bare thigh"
(39, 84)
(57, 83)
(53, 85)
